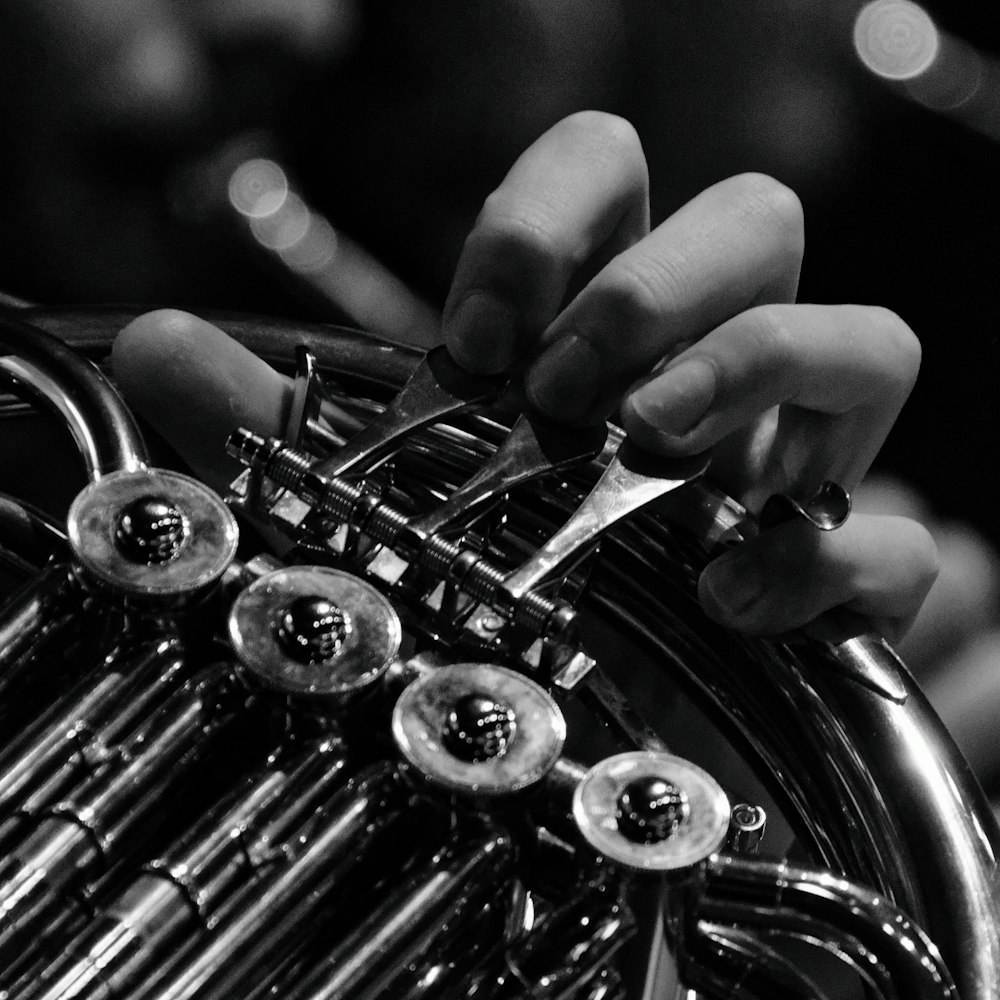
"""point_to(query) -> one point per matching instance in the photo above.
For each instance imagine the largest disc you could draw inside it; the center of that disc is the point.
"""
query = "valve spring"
(336, 497)
(385, 523)
(534, 611)
(482, 580)
(437, 555)
(293, 470)
(286, 467)
(347, 502)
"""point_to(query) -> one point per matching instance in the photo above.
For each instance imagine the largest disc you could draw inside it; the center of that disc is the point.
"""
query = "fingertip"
(568, 382)
(730, 588)
(481, 331)
(667, 413)
(195, 384)
(647, 435)
(143, 340)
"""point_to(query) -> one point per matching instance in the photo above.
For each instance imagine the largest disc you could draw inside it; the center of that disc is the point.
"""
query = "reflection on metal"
(366, 640)
(697, 828)
(827, 510)
(39, 364)
(200, 541)
(535, 447)
(424, 730)
(437, 389)
(325, 779)
(632, 480)
(878, 939)
(746, 828)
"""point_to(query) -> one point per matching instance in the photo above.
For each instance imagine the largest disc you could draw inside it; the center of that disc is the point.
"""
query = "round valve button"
(479, 729)
(651, 811)
(314, 632)
(151, 533)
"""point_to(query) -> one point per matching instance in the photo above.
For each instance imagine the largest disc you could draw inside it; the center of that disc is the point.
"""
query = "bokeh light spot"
(896, 39)
(315, 251)
(282, 229)
(258, 188)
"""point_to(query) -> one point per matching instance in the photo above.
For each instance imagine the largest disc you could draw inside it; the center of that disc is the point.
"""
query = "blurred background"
(325, 159)
(122, 123)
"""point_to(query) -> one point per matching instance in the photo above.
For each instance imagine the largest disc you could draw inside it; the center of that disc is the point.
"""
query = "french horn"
(432, 741)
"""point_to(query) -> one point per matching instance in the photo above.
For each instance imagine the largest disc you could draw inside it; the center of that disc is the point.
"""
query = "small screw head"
(650, 810)
(312, 629)
(151, 530)
(747, 823)
(479, 728)
(491, 621)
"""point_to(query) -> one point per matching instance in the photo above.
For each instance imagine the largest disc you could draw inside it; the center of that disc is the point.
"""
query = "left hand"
(690, 328)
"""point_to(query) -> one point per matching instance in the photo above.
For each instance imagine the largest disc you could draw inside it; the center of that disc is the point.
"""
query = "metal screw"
(151, 530)
(479, 728)
(313, 629)
(746, 828)
(492, 622)
(650, 809)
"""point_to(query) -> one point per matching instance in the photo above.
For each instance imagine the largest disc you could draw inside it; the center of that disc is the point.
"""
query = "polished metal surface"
(896, 956)
(632, 480)
(437, 389)
(197, 557)
(747, 824)
(423, 728)
(351, 775)
(826, 510)
(602, 811)
(534, 447)
(369, 640)
(106, 434)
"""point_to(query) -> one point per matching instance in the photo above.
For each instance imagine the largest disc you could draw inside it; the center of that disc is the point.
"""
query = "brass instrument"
(410, 756)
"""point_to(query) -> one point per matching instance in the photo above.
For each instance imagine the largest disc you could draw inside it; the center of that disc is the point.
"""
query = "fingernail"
(733, 583)
(677, 399)
(565, 382)
(482, 333)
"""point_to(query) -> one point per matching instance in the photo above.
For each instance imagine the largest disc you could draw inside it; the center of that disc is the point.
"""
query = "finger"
(844, 370)
(879, 567)
(196, 385)
(580, 191)
(736, 245)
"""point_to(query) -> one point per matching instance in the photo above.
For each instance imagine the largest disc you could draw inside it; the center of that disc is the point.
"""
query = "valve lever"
(307, 394)
(533, 448)
(437, 389)
(632, 479)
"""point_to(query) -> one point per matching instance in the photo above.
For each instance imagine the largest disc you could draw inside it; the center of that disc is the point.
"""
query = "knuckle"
(637, 293)
(771, 339)
(527, 231)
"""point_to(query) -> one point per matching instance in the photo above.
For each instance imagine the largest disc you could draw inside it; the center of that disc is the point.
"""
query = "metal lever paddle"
(632, 479)
(534, 447)
(437, 389)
